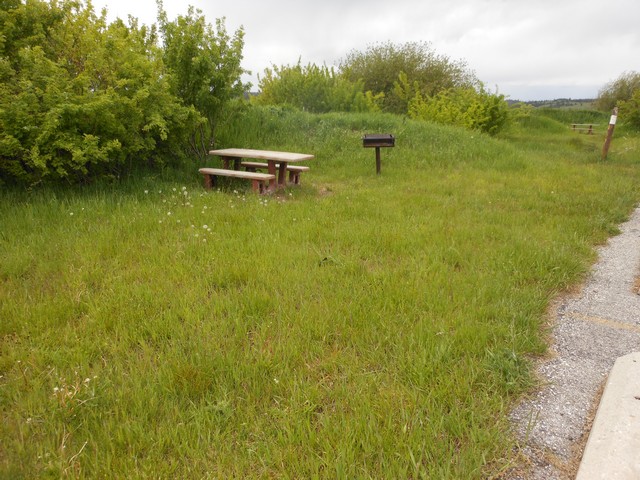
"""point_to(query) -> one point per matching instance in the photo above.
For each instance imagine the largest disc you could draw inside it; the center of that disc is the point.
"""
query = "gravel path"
(590, 331)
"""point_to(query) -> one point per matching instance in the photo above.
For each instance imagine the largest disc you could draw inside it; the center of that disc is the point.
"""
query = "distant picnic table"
(584, 127)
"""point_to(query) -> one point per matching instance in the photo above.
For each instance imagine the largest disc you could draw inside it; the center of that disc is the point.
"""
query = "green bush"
(81, 98)
(205, 70)
(88, 100)
(314, 89)
(618, 90)
(464, 107)
(630, 111)
(382, 66)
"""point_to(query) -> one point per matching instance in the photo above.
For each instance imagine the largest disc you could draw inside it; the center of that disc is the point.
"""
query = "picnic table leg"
(226, 162)
(209, 181)
(282, 174)
(271, 167)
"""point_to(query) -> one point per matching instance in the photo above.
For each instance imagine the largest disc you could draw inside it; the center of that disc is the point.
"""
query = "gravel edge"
(590, 330)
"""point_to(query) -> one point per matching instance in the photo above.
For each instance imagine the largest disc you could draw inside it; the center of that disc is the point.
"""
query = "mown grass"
(359, 326)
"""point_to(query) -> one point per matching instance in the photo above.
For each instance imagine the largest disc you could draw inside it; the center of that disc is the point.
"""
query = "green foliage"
(91, 100)
(386, 77)
(464, 107)
(389, 68)
(204, 63)
(81, 98)
(404, 90)
(314, 89)
(618, 90)
(630, 110)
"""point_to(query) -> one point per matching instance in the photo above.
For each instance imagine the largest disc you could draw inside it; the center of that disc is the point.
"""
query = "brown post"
(271, 168)
(612, 125)
(208, 182)
(282, 174)
(378, 160)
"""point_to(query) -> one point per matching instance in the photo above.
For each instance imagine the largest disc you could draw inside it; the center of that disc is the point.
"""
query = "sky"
(524, 49)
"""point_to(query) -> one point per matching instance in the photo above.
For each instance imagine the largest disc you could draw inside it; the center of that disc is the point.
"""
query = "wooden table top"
(262, 154)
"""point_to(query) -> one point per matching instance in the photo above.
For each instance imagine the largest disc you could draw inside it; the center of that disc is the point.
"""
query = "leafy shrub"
(464, 107)
(381, 65)
(314, 89)
(80, 98)
(86, 102)
(204, 63)
(630, 110)
(619, 90)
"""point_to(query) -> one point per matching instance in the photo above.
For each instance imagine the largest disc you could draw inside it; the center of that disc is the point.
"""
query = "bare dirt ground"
(590, 330)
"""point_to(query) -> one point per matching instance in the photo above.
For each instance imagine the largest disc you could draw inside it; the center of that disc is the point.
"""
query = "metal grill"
(378, 140)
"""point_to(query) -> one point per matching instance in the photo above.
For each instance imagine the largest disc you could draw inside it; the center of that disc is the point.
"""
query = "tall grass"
(357, 326)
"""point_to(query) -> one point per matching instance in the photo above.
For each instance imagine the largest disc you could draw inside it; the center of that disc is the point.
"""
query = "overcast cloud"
(529, 50)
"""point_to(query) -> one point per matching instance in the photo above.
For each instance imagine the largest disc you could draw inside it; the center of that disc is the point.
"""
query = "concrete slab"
(613, 448)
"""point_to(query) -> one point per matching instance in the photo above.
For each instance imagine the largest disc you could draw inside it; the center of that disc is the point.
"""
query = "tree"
(621, 89)
(387, 68)
(205, 69)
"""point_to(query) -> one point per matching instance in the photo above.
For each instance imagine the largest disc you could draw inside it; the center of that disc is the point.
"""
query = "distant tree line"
(560, 103)
(81, 97)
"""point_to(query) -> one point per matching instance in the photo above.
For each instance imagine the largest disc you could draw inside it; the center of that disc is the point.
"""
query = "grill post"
(377, 141)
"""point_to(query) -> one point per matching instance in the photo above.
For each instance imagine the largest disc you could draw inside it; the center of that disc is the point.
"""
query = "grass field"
(357, 326)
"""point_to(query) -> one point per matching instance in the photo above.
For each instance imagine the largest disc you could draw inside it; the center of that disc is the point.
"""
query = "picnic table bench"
(258, 180)
(277, 166)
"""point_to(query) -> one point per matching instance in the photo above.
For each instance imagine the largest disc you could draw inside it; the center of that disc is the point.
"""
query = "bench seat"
(294, 170)
(258, 180)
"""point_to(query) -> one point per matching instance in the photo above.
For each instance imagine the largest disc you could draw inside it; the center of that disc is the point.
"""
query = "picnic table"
(277, 162)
